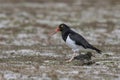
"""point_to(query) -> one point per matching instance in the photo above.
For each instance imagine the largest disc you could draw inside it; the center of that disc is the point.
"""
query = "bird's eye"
(61, 25)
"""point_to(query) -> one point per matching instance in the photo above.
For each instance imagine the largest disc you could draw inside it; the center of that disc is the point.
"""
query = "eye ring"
(61, 25)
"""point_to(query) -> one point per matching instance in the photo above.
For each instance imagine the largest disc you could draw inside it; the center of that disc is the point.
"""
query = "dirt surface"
(27, 53)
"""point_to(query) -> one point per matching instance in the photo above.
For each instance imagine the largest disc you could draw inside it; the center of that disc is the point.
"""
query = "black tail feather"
(97, 50)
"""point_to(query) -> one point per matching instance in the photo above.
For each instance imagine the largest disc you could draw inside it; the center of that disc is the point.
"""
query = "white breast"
(71, 43)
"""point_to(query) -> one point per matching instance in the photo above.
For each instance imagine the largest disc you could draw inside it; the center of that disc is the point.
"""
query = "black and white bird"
(74, 40)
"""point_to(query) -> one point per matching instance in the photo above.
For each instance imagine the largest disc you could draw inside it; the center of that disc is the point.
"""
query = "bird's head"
(61, 28)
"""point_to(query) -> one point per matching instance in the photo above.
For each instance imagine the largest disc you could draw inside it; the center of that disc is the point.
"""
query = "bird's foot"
(69, 60)
(71, 57)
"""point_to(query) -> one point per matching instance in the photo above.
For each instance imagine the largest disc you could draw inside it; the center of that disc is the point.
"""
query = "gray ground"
(24, 50)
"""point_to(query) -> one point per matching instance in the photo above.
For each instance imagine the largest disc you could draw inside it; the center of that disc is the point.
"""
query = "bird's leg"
(74, 54)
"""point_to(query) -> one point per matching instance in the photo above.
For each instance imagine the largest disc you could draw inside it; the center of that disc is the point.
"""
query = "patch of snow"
(23, 35)
(2, 15)
(9, 75)
(50, 54)
(3, 43)
(116, 32)
(45, 5)
(50, 22)
(112, 41)
(3, 24)
(100, 30)
(109, 53)
(69, 72)
(30, 52)
(26, 52)
(24, 42)
(64, 78)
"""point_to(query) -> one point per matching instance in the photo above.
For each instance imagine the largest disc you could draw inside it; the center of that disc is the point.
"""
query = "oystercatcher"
(74, 40)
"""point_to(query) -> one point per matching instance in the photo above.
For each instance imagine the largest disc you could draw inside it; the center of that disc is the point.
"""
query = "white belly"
(72, 44)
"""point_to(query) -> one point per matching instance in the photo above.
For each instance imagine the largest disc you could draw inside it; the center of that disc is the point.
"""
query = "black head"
(63, 27)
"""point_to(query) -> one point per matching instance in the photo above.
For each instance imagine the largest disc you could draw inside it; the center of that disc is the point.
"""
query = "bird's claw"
(68, 60)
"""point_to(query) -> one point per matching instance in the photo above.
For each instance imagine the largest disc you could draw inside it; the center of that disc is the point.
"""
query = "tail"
(94, 48)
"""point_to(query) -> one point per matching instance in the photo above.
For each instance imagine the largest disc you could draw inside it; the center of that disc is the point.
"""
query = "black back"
(79, 40)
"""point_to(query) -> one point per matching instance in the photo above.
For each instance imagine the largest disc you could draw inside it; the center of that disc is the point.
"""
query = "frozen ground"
(24, 50)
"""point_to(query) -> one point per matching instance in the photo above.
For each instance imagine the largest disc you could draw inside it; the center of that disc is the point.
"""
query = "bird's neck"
(65, 34)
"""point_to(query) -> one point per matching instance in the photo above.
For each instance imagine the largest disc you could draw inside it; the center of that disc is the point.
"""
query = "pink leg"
(74, 54)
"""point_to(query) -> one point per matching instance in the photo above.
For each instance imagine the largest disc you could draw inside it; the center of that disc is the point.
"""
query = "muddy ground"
(26, 52)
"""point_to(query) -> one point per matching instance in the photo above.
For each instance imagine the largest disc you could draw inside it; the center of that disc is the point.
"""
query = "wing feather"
(79, 40)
